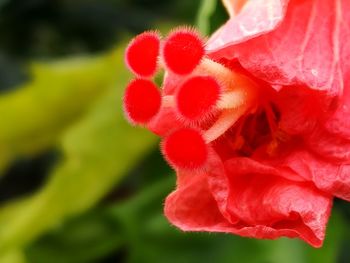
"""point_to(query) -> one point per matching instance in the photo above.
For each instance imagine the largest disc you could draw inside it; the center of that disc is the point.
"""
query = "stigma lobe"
(197, 97)
(142, 54)
(183, 51)
(142, 101)
(185, 149)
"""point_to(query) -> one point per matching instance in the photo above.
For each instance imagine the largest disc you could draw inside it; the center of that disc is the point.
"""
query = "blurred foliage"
(34, 116)
(205, 12)
(211, 15)
(97, 150)
(78, 183)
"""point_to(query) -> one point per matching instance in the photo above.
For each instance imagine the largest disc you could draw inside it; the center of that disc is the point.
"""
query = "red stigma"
(142, 54)
(185, 149)
(197, 97)
(183, 51)
(142, 101)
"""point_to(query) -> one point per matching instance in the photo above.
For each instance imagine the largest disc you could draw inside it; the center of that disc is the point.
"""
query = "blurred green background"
(78, 184)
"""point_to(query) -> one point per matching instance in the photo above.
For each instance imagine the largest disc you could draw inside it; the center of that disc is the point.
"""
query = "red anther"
(183, 51)
(142, 100)
(185, 149)
(197, 97)
(141, 55)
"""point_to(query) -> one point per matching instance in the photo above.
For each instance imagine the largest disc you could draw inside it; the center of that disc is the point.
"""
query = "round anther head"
(197, 97)
(142, 101)
(142, 53)
(185, 149)
(183, 51)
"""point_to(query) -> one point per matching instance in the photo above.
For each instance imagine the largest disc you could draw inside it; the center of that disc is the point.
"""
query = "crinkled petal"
(329, 177)
(256, 18)
(192, 207)
(164, 122)
(332, 147)
(271, 206)
(299, 108)
(309, 47)
(339, 122)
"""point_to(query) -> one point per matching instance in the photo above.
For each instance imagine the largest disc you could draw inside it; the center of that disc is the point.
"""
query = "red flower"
(256, 122)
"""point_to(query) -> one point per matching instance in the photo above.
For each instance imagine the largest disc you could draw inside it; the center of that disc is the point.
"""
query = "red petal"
(300, 109)
(270, 206)
(248, 202)
(339, 122)
(191, 207)
(256, 18)
(327, 176)
(309, 47)
(332, 147)
(164, 122)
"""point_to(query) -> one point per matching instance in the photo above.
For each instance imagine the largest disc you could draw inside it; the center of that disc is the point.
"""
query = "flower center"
(209, 100)
(257, 132)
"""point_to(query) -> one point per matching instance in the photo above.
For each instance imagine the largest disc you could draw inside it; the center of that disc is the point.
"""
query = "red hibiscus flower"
(256, 122)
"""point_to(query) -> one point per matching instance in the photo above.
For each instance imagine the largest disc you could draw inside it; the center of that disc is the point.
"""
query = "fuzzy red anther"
(183, 51)
(142, 100)
(197, 97)
(185, 149)
(142, 54)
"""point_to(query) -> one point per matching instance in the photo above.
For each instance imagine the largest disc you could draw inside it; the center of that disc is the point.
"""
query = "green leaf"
(102, 230)
(15, 256)
(206, 10)
(97, 152)
(82, 240)
(35, 115)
